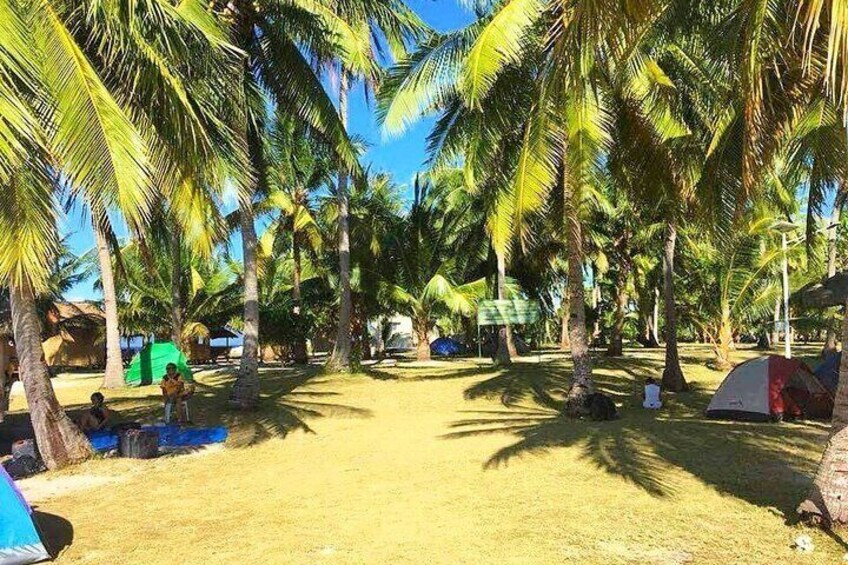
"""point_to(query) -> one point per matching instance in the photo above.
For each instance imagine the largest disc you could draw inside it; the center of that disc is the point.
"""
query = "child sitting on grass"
(96, 417)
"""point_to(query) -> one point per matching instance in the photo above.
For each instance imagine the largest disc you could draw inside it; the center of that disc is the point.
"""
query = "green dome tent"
(148, 366)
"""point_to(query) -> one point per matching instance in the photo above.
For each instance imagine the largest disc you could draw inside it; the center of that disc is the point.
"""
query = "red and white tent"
(771, 388)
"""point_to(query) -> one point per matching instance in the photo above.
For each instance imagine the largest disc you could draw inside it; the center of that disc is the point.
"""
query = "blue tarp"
(446, 346)
(828, 371)
(169, 436)
(19, 541)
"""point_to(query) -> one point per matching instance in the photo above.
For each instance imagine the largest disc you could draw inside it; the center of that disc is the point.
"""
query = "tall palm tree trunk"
(176, 287)
(299, 349)
(596, 307)
(827, 502)
(724, 340)
(582, 384)
(564, 342)
(59, 440)
(830, 339)
(510, 342)
(672, 377)
(340, 357)
(114, 375)
(245, 393)
(503, 355)
(422, 334)
(616, 344)
(655, 321)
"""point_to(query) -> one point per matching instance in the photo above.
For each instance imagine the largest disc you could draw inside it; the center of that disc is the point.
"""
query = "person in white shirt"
(652, 397)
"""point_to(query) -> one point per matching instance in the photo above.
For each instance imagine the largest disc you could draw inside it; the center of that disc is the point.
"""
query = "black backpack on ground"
(24, 466)
(601, 407)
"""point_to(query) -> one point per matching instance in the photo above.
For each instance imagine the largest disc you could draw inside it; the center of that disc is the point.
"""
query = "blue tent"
(446, 346)
(828, 371)
(19, 541)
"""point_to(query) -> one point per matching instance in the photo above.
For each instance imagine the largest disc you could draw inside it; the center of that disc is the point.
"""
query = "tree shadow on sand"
(766, 464)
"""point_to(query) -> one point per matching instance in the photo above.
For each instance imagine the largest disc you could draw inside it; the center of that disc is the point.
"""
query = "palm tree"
(367, 21)
(208, 290)
(621, 229)
(527, 48)
(832, 259)
(299, 165)
(279, 40)
(89, 101)
(823, 24)
(113, 376)
(736, 291)
(818, 143)
(425, 256)
(282, 277)
(374, 205)
(646, 277)
(189, 217)
(339, 359)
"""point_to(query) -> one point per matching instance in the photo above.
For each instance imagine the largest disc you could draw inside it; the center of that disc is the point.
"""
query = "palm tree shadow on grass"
(766, 464)
(424, 373)
(547, 383)
(541, 431)
(287, 404)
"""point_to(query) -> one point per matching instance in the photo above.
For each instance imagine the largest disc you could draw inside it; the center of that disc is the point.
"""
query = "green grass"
(444, 463)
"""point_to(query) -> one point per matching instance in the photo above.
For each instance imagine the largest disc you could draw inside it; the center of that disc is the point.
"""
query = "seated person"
(173, 391)
(12, 370)
(97, 417)
(652, 395)
(12, 375)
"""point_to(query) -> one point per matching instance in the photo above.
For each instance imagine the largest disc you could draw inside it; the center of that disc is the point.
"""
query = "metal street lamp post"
(787, 347)
(784, 228)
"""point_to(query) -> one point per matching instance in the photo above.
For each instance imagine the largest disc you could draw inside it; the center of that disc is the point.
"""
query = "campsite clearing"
(445, 462)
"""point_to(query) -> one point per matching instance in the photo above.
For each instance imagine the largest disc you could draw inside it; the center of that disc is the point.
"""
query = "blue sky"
(401, 156)
(404, 156)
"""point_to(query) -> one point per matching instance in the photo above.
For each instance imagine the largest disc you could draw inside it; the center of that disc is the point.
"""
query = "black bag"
(138, 444)
(601, 407)
(24, 466)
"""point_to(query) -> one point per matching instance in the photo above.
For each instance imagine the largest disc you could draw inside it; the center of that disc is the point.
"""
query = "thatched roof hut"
(76, 331)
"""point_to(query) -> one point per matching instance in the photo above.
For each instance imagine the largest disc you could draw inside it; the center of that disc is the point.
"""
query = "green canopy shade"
(148, 366)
